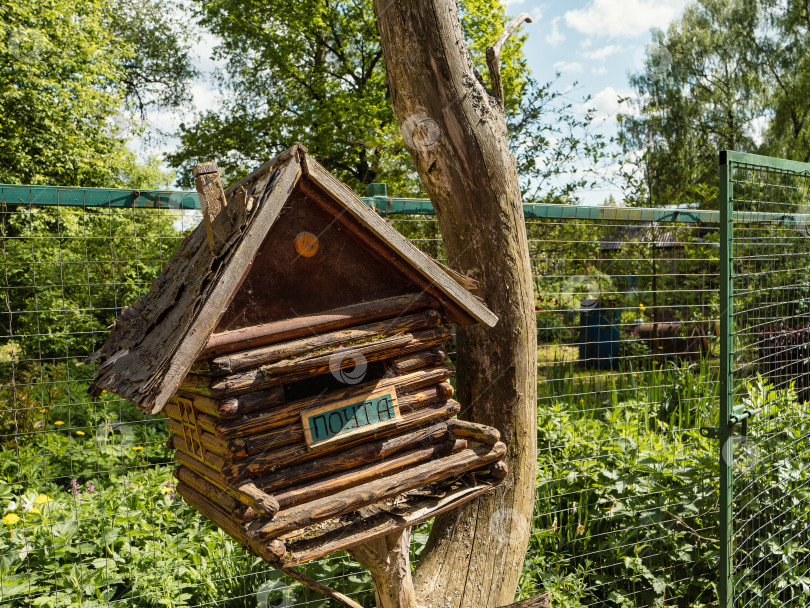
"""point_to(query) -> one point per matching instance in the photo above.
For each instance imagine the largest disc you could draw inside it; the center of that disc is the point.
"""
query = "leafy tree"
(730, 74)
(313, 72)
(67, 68)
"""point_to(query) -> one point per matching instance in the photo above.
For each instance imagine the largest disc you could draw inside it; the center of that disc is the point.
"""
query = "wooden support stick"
(287, 371)
(290, 412)
(349, 500)
(472, 430)
(212, 203)
(319, 323)
(288, 456)
(248, 359)
(319, 587)
(306, 492)
(360, 455)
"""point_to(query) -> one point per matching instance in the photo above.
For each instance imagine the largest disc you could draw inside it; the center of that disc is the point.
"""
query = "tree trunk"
(456, 132)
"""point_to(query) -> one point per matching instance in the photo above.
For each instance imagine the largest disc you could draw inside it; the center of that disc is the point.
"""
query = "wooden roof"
(155, 341)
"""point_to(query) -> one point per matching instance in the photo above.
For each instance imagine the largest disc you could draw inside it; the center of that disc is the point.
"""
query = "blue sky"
(595, 43)
(592, 42)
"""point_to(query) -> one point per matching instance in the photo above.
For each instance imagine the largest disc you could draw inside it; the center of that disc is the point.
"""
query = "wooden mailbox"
(295, 342)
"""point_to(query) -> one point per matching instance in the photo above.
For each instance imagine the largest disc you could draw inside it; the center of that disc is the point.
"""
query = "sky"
(594, 43)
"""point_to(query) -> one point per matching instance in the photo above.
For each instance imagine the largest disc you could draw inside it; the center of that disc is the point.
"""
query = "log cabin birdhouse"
(296, 344)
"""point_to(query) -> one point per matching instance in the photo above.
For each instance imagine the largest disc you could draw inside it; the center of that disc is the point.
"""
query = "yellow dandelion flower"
(58, 423)
(11, 519)
(43, 410)
(137, 447)
(42, 499)
(80, 432)
(34, 510)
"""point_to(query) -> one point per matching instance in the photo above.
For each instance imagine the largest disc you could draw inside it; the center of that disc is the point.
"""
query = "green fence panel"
(764, 432)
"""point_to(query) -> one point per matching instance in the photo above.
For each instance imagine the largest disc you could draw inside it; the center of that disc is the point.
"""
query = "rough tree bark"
(456, 131)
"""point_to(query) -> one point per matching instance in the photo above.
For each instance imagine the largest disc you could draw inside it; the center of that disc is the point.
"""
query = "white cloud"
(555, 37)
(623, 18)
(605, 104)
(600, 70)
(508, 3)
(568, 66)
(604, 52)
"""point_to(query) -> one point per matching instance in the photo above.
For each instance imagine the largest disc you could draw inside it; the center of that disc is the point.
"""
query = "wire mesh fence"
(626, 515)
(769, 345)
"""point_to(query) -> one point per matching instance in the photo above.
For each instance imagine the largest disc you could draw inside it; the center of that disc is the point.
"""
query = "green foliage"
(66, 71)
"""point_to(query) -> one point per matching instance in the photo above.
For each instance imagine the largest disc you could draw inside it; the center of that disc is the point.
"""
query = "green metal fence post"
(725, 432)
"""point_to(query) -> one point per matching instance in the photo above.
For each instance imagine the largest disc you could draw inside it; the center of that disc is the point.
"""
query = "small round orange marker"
(306, 244)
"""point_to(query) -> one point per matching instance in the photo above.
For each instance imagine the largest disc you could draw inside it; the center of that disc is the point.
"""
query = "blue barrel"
(599, 336)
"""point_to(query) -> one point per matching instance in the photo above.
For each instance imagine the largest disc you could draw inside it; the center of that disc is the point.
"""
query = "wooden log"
(286, 371)
(290, 412)
(420, 359)
(360, 455)
(248, 359)
(252, 444)
(206, 488)
(372, 492)
(499, 470)
(250, 496)
(259, 501)
(290, 329)
(474, 431)
(331, 484)
(288, 456)
(272, 551)
(215, 461)
(229, 407)
(380, 524)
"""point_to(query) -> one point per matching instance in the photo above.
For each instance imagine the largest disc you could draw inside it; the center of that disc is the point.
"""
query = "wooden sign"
(350, 417)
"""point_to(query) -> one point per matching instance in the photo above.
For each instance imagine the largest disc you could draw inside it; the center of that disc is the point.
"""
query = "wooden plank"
(331, 484)
(215, 494)
(288, 413)
(287, 456)
(249, 359)
(381, 524)
(538, 601)
(215, 461)
(420, 359)
(353, 457)
(398, 243)
(354, 498)
(297, 327)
